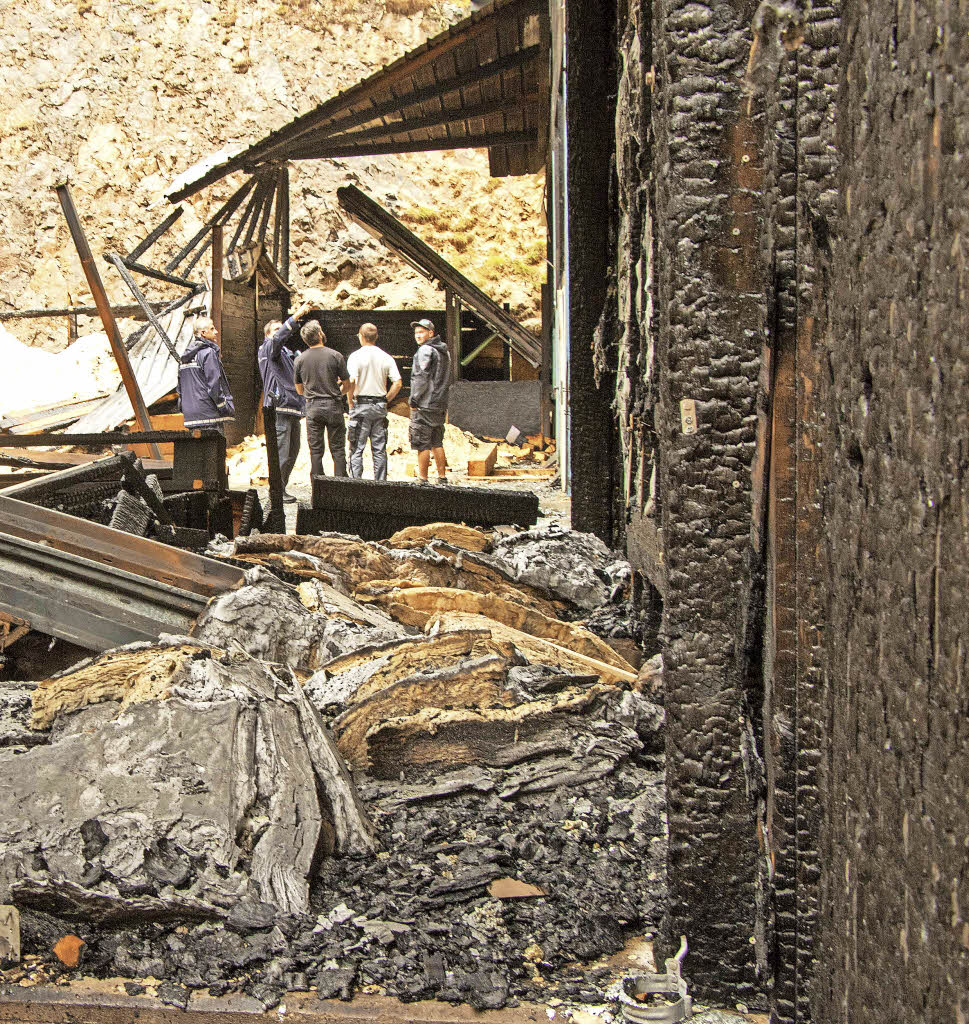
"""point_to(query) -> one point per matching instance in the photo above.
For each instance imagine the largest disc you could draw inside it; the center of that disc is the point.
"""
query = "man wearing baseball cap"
(429, 385)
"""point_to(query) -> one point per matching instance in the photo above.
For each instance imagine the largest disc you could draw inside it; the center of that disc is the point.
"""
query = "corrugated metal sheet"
(154, 368)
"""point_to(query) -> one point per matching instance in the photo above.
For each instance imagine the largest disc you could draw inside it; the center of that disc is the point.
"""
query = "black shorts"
(425, 430)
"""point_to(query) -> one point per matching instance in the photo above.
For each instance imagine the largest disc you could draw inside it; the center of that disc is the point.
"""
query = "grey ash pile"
(421, 776)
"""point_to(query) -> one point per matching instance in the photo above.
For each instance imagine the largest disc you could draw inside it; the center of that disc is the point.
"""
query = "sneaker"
(288, 498)
(423, 480)
(441, 480)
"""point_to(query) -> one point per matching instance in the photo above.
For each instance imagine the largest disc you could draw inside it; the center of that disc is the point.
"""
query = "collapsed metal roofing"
(483, 83)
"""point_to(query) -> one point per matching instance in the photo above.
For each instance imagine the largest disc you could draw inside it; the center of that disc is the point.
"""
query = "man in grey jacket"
(429, 385)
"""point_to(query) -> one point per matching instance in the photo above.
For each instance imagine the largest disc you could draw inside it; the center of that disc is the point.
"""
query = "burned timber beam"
(137, 556)
(129, 310)
(104, 310)
(88, 602)
(396, 237)
(149, 240)
(374, 510)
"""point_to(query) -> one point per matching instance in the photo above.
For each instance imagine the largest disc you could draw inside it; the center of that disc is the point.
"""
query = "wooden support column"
(104, 311)
(282, 212)
(452, 331)
(217, 278)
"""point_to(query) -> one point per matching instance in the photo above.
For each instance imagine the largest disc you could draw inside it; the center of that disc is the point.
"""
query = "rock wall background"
(120, 97)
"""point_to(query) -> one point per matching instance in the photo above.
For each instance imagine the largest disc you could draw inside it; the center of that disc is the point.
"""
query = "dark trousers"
(368, 420)
(324, 422)
(287, 442)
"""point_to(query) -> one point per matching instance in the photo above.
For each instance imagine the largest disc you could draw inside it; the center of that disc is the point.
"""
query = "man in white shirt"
(374, 381)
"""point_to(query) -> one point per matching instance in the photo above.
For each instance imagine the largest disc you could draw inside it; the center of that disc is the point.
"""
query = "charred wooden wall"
(894, 883)
(786, 250)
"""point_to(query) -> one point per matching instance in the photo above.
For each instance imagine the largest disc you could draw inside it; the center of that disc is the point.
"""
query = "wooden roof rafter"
(388, 230)
(481, 83)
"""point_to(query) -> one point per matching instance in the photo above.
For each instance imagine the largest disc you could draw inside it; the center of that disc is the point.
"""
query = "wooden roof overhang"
(483, 83)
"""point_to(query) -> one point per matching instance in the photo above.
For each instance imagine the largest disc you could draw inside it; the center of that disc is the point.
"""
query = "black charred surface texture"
(709, 301)
(794, 76)
(375, 510)
(589, 115)
(894, 937)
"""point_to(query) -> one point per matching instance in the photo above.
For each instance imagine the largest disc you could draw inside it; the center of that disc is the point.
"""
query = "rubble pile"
(409, 770)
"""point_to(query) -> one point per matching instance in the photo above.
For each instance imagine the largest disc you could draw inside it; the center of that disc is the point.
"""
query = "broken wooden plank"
(482, 462)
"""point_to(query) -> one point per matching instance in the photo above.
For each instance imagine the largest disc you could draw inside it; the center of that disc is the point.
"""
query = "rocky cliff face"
(121, 96)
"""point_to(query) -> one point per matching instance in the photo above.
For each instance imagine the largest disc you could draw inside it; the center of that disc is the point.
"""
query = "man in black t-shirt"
(321, 378)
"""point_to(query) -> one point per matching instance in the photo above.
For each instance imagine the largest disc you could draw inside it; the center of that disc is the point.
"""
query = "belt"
(370, 398)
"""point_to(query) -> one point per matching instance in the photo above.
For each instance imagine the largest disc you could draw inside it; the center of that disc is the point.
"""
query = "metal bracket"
(657, 997)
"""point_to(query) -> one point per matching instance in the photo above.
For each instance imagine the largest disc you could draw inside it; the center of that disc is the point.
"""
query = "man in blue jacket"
(203, 389)
(279, 390)
(430, 383)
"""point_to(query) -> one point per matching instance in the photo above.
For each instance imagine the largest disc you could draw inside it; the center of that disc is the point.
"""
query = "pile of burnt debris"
(429, 767)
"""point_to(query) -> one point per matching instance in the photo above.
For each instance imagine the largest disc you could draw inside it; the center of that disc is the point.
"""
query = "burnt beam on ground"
(139, 556)
(374, 510)
(88, 602)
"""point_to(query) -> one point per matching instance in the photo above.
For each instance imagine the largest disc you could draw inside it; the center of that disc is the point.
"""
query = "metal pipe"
(478, 349)
(104, 311)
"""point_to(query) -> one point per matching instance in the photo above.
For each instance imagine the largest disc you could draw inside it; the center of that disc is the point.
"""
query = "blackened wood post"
(283, 214)
(590, 131)
(104, 311)
(217, 278)
(276, 519)
(452, 331)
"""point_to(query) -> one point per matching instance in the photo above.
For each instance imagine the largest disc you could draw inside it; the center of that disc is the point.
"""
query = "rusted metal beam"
(104, 310)
(485, 141)
(149, 240)
(119, 265)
